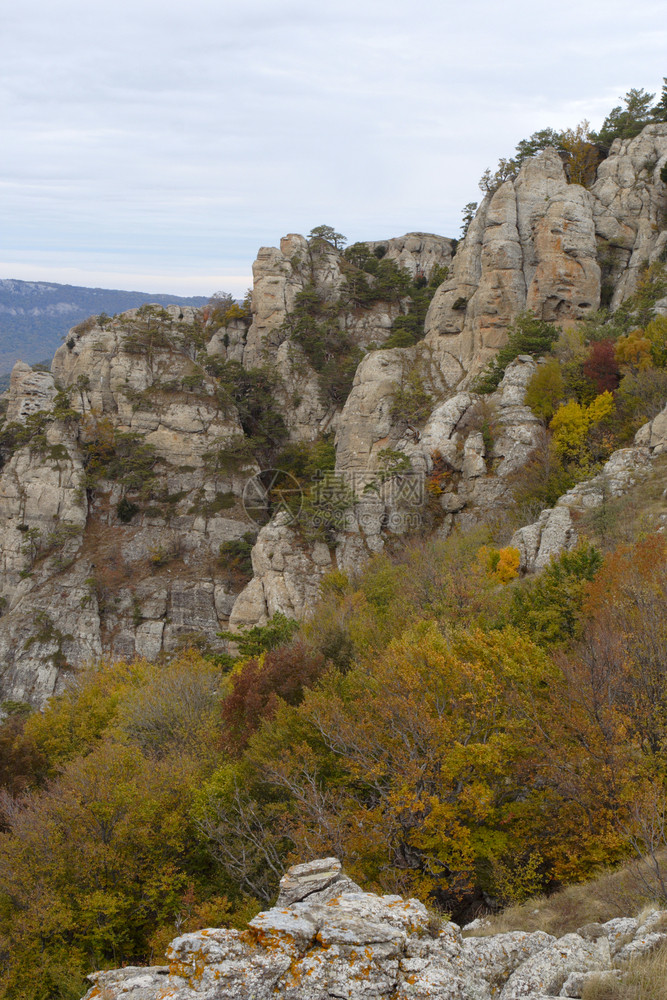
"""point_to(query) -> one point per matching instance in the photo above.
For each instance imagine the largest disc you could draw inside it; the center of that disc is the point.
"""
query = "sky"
(156, 146)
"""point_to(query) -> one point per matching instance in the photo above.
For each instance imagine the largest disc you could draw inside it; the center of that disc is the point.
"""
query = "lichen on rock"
(326, 938)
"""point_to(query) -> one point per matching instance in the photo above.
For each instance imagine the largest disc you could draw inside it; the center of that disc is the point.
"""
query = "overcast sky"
(156, 146)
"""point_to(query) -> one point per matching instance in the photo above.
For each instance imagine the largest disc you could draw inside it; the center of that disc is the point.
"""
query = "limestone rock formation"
(121, 492)
(327, 938)
(81, 574)
(479, 468)
(286, 575)
(279, 275)
(537, 243)
(417, 253)
(629, 207)
(139, 370)
(324, 877)
(531, 246)
(555, 531)
(29, 392)
(287, 571)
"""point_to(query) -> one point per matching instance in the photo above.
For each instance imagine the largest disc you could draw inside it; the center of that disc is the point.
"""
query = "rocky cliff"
(326, 938)
(540, 243)
(35, 315)
(123, 525)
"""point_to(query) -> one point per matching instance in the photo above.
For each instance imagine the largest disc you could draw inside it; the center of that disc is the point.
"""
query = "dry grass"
(617, 894)
(620, 893)
(604, 986)
(625, 519)
(645, 979)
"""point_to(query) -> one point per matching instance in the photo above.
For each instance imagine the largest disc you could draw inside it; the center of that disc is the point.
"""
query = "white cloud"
(177, 139)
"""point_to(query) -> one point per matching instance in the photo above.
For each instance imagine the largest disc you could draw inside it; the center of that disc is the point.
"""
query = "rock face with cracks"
(114, 564)
(326, 938)
(79, 576)
(540, 243)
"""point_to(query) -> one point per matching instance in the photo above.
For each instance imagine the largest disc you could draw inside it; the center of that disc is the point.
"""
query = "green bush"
(408, 329)
(278, 631)
(307, 461)
(324, 509)
(148, 332)
(251, 394)
(315, 326)
(228, 456)
(371, 278)
(133, 465)
(31, 433)
(548, 606)
(411, 402)
(527, 335)
(235, 555)
(62, 408)
(125, 510)
(639, 308)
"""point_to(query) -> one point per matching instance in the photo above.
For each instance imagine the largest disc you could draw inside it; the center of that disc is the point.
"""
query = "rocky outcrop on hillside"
(29, 392)
(36, 315)
(326, 938)
(84, 569)
(417, 253)
(556, 529)
(540, 243)
(140, 371)
(121, 510)
(450, 473)
(286, 576)
(123, 528)
(279, 275)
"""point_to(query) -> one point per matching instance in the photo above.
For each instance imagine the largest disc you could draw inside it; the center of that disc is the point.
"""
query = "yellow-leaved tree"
(572, 423)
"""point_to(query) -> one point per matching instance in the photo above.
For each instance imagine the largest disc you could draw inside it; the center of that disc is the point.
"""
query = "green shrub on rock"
(526, 335)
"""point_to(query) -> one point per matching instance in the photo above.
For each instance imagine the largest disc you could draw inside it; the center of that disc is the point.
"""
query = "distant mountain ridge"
(35, 315)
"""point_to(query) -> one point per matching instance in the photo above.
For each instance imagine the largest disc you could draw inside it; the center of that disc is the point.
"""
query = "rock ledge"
(327, 938)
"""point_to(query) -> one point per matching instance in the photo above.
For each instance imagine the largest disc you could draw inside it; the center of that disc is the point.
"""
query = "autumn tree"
(573, 423)
(613, 708)
(633, 351)
(400, 767)
(656, 333)
(546, 389)
(21, 763)
(260, 684)
(541, 480)
(583, 154)
(601, 366)
(90, 866)
(502, 565)
(627, 618)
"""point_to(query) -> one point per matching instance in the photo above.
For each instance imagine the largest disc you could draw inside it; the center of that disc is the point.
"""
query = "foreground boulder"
(327, 938)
